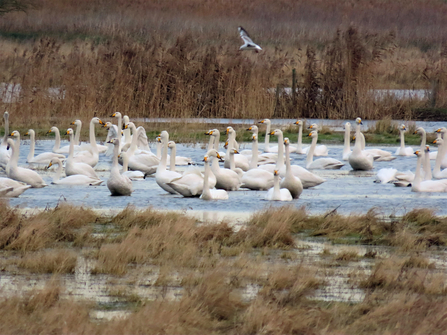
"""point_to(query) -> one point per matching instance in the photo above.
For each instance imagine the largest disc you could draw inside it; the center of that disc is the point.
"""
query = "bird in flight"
(248, 43)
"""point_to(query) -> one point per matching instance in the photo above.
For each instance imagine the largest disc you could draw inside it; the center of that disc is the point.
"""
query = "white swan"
(78, 124)
(358, 159)
(177, 160)
(57, 143)
(276, 193)
(290, 182)
(321, 163)
(132, 175)
(208, 193)
(426, 163)
(441, 133)
(320, 150)
(43, 158)
(403, 179)
(15, 187)
(418, 185)
(299, 146)
(27, 176)
(378, 154)
(255, 178)
(5, 154)
(421, 131)
(437, 173)
(267, 147)
(118, 184)
(347, 142)
(90, 152)
(403, 150)
(140, 160)
(385, 175)
(262, 158)
(78, 179)
(240, 161)
(72, 167)
(163, 176)
(120, 127)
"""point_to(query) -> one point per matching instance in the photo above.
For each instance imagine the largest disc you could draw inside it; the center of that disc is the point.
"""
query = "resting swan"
(426, 185)
(15, 187)
(441, 133)
(403, 150)
(72, 167)
(118, 184)
(321, 163)
(209, 193)
(43, 158)
(347, 142)
(276, 193)
(163, 176)
(358, 159)
(77, 179)
(27, 176)
(290, 182)
(177, 160)
(90, 146)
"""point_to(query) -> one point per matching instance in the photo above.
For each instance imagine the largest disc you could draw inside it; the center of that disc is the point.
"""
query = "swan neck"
(58, 174)
(120, 126)
(358, 141)
(232, 165)
(215, 163)
(310, 154)
(417, 176)
(158, 145)
(5, 137)
(31, 147)
(427, 167)
(71, 148)
(300, 138)
(254, 155)
(288, 164)
(402, 140)
(172, 161)
(423, 141)
(92, 136)
(57, 141)
(211, 143)
(164, 155)
(280, 161)
(134, 142)
(206, 187)
(276, 189)
(267, 138)
(116, 151)
(347, 146)
(125, 163)
(78, 134)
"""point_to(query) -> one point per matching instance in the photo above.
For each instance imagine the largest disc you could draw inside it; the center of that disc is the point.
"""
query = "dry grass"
(50, 261)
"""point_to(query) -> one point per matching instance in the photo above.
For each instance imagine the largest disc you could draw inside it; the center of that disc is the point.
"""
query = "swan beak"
(209, 132)
(219, 156)
(109, 141)
(12, 134)
(72, 123)
(205, 159)
(275, 172)
(125, 126)
(310, 127)
(310, 134)
(113, 115)
(49, 131)
(438, 131)
(67, 133)
(416, 152)
(100, 122)
(435, 141)
(272, 133)
(261, 121)
(105, 126)
(227, 131)
(26, 134)
(158, 139)
(296, 122)
(49, 165)
(249, 128)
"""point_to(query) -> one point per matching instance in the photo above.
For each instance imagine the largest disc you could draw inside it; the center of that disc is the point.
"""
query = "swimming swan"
(403, 150)
(321, 163)
(291, 182)
(15, 187)
(358, 159)
(347, 142)
(276, 193)
(43, 158)
(117, 183)
(27, 176)
(163, 176)
(72, 167)
(77, 179)
(209, 193)
(132, 175)
(427, 185)
(5, 154)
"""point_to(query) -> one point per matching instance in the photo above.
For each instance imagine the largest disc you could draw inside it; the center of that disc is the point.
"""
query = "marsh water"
(348, 191)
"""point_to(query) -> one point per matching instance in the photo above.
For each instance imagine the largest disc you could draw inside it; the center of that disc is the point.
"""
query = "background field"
(181, 59)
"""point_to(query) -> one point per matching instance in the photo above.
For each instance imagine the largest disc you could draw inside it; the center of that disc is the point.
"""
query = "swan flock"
(276, 170)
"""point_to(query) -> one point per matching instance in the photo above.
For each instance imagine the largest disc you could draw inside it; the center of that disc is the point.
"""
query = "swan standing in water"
(290, 182)
(27, 176)
(78, 124)
(43, 158)
(427, 185)
(321, 163)
(421, 131)
(117, 183)
(262, 158)
(162, 176)
(72, 167)
(207, 192)
(5, 154)
(359, 160)
(403, 150)
(77, 179)
(347, 142)
(276, 193)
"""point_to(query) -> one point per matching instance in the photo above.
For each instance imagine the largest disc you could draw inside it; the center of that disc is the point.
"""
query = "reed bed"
(181, 59)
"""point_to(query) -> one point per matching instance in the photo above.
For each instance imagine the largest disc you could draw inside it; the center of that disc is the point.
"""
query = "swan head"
(10, 143)
(427, 148)
(313, 134)
(233, 151)
(347, 125)
(53, 130)
(254, 137)
(127, 125)
(419, 131)
(54, 161)
(229, 130)
(107, 125)
(441, 130)
(313, 126)
(418, 153)
(276, 172)
(164, 136)
(76, 123)
(126, 119)
(266, 121)
(253, 129)
(6, 115)
(97, 120)
(116, 114)
(438, 141)
(15, 134)
(69, 131)
(402, 127)
(30, 132)
(298, 122)
(211, 153)
(171, 144)
(114, 141)
(213, 132)
(358, 120)
(276, 132)
(286, 141)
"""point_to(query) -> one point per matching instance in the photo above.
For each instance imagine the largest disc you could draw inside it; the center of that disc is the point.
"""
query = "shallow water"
(348, 191)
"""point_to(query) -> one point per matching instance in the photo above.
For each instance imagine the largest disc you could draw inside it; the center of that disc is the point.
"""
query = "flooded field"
(349, 191)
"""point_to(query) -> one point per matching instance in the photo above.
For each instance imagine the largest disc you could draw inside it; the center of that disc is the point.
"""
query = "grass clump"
(50, 261)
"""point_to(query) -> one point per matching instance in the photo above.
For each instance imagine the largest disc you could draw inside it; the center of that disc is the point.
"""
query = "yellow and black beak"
(49, 165)
(435, 141)
(113, 115)
(12, 134)
(250, 128)
(416, 152)
(72, 123)
(272, 133)
(261, 121)
(415, 132)
(26, 134)
(219, 156)
(49, 131)
(209, 132)
(438, 130)
(100, 122)
(310, 134)
(205, 159)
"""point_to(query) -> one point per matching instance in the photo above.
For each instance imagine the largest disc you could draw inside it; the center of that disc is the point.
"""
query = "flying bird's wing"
(244, 36)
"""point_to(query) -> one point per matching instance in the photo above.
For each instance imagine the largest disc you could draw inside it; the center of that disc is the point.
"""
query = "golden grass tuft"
(50, 261)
